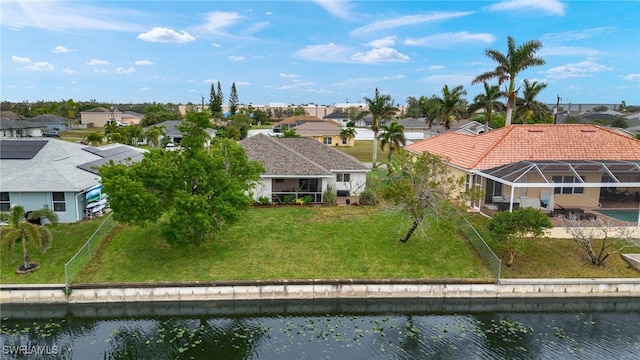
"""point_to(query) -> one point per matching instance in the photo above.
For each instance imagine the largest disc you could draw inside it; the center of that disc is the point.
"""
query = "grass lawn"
(362, 150)
(67, 240)
(290, 243)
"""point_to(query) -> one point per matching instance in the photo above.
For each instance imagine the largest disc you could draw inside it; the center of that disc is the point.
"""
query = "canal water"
(595, 328)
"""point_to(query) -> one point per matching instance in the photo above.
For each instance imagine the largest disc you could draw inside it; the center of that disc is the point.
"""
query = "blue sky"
(322, 52)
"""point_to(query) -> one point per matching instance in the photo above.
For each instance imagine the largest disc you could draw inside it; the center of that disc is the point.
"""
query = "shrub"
(368, 197)
(307, 200)
(329, 197)
(288, 199)
(263, 200)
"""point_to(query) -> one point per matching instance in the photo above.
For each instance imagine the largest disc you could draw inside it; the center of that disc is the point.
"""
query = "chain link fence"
(478, 243)
(73, 267)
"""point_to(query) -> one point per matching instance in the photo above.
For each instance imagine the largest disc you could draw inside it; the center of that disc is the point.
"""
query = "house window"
(5, 204)
(59, 204)
(279, 180)
(344, 140)
(326, 140)
(568, 189)
(340, 177)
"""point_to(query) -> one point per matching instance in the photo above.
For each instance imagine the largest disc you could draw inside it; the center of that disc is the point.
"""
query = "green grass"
(67, 240)
(362, 150)
(290, 243)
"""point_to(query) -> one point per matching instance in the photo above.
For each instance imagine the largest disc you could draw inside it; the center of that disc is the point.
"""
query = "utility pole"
(555, 116)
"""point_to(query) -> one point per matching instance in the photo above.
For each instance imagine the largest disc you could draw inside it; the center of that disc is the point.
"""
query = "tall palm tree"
(93, 139)
(509, 66)
(153, 135)
(380, 107)
(18, 228)
(348, 133)
(393, 135)
(431, 108)
(528, 106)
(488, 102)
(452, 104)
(110, 128)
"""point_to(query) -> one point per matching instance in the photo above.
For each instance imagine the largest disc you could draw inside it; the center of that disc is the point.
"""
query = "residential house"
(568, 166)
(19, 128)
(130, 118)
(293, 121)
(57, 174)
(297, 167)
(339, 117)
(10, 115)
(327, 133)
(51, 122)
(172, 133)
(464, 126)
(99, 117)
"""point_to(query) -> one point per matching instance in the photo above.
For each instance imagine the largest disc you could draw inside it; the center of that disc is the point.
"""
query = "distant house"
(339, 117)
(10, 115)
(576, 165)
(173, 135)
(294, 121)
(130, 118)
(301, 167)
(19, 128)
(468, 127)
(51, 122)
(99, 117)
(327, 133)
(56, 174)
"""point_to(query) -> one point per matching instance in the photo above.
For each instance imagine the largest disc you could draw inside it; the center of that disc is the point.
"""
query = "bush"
(288, 199)
(263, 200)
(307, 200)
(368, 197)
(329, 197)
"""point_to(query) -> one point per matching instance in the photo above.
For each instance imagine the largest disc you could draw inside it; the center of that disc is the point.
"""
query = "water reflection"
(326, 329)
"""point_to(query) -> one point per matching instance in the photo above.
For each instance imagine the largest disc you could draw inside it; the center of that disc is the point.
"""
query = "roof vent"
(588, 130)
(536, 130)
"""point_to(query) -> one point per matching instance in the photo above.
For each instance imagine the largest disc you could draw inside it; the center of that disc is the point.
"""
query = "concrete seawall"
(319, 289)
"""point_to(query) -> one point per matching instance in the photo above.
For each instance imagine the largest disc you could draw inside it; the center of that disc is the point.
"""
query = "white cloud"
(21, 60)
(581, 69)
(336, 8)
(242, 83)
(121, 70)
(288, 75)
(384, 54)
(143, 62)
(217, 20)
(39, 66)
(554, 7)
(144, 88)
(60, 49)
(236, 58)
(567, 51)
(408, 20)
(68, 71)
(166, 35)
(101, 71)
(576, 34)
(384, 42)
(94, 62)
(210, 81)
(632, 77)
(326, 52)
(393, 77)
(450, 39)
(436, 67)
(216, 45)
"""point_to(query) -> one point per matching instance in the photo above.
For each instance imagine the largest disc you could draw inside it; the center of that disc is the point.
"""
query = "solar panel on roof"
(20, 149)
(119, 155)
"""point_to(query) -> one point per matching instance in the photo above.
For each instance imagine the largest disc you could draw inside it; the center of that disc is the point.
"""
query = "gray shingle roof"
(49, 118)
(298, 156)
(8, 124)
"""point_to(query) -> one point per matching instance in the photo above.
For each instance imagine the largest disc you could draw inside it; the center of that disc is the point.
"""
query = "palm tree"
(393, 135)
(18, 228)
(452, 103)
(380, 107)
(348, 133)
(509, 66)
(153, 135)
(487, 101)
(93, 139)
(528, 105)
(430, 108)
(110, 128)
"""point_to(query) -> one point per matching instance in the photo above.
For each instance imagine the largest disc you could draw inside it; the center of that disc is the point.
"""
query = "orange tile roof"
(294, 119)
(565, 142)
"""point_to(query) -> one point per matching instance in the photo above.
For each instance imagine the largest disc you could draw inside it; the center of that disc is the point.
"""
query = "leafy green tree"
(348, 133)
(157, 113)
(452, 104)
(509, 66)
(431, 108)
(511, 228)
(233, 99)
(190, 194)
(381, 108)
(215, 101)
(619, 122)
(488, 102)
(18, 228)
(393, 137)
(110, 128)
(530, 108)
(290, 133)
(423, 189)
(93, 138)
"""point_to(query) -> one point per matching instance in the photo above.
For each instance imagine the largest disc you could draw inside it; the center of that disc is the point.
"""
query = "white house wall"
(38, 200)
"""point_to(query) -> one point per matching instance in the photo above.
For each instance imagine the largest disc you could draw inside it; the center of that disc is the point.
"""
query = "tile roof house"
(19, 128)
(52, 173)
(326, 132)
(293, 121)
(302, 166)
(575, 164)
